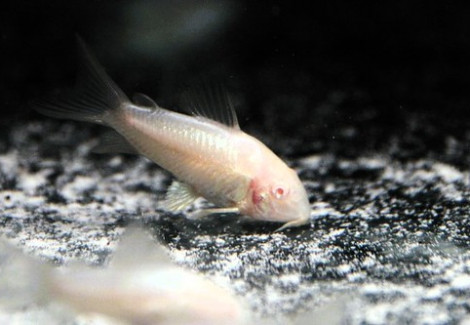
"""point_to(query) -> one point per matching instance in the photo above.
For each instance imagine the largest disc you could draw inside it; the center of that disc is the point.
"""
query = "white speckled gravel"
(388, 243)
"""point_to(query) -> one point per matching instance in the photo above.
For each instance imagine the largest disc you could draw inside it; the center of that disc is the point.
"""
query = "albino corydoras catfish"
(140, 286)
(207, 152)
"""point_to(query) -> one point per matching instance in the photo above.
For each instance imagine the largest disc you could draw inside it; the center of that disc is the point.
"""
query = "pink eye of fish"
(279, 192)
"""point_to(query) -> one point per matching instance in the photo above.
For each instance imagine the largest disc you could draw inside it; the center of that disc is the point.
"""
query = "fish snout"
(295, 208)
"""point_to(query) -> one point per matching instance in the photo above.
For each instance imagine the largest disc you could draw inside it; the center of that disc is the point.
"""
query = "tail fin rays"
(93, 98)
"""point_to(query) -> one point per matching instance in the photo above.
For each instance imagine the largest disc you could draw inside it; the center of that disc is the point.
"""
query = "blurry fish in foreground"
(141, 286)
(208, 153)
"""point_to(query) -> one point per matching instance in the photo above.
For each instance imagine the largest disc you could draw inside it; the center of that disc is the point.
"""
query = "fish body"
(168, 295)
(208, 153)
(141, 285)
(197, 151)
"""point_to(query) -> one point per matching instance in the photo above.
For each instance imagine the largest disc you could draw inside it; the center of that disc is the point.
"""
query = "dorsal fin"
(137, 247)
(212, 101)
(143, 100)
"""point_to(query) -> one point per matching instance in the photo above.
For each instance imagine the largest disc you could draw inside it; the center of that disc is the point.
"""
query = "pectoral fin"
(179, 196)
(293, 223)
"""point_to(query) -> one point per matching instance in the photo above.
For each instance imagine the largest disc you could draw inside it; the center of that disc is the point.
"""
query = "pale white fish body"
(141, 286)
(168, 295)
(215, 160)
(223, 164)
(196, 150)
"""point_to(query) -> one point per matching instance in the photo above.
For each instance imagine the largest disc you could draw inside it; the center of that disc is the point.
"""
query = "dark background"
(374, 94)
(335, 76)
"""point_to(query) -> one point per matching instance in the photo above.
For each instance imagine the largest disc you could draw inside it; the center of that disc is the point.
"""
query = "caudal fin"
(94, 97)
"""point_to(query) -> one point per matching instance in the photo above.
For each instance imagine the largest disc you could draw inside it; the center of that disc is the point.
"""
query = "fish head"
(278, 197)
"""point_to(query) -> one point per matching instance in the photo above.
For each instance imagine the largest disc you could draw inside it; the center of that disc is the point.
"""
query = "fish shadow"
(169, 226)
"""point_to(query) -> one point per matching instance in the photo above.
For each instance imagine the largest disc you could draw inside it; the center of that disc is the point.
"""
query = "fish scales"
(195, 150)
